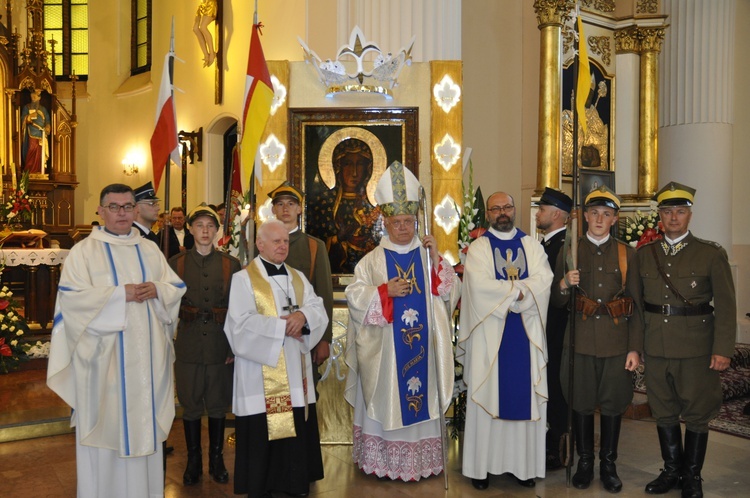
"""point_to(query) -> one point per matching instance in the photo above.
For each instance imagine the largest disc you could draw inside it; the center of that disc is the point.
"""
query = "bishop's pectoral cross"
(290, 308)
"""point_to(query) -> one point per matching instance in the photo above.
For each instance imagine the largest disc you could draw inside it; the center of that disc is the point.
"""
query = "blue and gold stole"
(514, 356)
(410, 336)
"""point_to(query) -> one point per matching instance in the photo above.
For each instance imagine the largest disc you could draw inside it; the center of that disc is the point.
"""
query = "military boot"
(695, 453)
(608, 453)
(216, 468)
(670, 440)
(584, 433)
(194, 467)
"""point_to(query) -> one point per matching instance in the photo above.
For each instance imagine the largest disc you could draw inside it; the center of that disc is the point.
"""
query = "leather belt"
(669, 310)
(601, 310)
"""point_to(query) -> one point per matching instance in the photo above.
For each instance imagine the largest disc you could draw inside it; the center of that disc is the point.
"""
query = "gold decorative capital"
(627, 40)
(605, 6)
(647, 7)
(651, 39)
(553, 12)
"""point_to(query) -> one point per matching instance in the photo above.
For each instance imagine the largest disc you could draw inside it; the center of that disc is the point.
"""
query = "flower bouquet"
(12, 329)
(17, 208)
(642, 228)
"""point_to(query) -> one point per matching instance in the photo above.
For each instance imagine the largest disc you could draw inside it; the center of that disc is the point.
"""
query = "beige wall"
(741, 170)
(500, 46)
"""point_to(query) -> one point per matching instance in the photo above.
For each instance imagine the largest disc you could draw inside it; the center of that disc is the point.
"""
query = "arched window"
(67, 21)
(140, 37)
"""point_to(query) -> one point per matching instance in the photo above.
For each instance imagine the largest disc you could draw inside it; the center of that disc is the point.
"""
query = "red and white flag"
(256, 107)
(164, 143)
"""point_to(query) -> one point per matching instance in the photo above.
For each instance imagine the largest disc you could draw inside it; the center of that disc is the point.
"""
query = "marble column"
(696, 111)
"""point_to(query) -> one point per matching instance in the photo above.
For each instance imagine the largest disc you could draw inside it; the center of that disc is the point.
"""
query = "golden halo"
(379, 158)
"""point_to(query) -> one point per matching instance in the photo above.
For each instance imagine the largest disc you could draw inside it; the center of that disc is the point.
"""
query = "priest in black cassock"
(273, 322)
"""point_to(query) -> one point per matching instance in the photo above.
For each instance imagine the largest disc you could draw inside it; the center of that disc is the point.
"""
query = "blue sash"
(514, 356)
(410, 336)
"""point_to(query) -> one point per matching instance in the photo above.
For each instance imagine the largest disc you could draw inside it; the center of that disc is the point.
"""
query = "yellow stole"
(279, 414)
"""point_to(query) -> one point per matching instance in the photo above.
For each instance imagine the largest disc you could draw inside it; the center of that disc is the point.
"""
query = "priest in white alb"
(398, 346)
(503, 311)
(111, 354)
(273, 322)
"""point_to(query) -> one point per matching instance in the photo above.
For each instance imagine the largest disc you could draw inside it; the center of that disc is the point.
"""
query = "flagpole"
(573, 262)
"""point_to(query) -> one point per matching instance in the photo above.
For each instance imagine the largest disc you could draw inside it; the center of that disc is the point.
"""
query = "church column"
(550, 14)
(696, 111)
(627, 48)
(648, 164)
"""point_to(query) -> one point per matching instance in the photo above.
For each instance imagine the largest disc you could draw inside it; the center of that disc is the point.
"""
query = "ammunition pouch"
(615, 309)
(189, 314)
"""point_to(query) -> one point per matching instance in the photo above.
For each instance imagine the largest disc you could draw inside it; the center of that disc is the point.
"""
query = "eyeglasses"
(499, 209)
(401, 223)
(115, 208)
(149, 203)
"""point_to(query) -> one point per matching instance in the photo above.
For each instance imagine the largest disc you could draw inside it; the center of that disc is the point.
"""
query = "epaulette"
(711, 243)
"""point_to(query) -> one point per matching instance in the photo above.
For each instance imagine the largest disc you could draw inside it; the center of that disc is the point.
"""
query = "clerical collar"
(551, 234)
(273, 269)
(503, 235)
(116, 234)
(597, 242)
(678, 239)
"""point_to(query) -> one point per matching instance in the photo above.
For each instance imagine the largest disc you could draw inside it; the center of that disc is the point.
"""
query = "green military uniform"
(680, 278)
(700, 271)
(608, 326)
(202, 377)
(600, 378)
(319, 276)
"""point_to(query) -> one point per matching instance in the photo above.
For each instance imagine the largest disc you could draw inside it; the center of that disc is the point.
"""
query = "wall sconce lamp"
(192, 144)
(130, 165)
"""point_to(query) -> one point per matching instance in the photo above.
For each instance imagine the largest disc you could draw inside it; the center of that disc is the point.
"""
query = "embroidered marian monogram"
(407, 275)
(670, 250)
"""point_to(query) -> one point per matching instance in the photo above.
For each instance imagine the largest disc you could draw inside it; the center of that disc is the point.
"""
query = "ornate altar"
(37, 132)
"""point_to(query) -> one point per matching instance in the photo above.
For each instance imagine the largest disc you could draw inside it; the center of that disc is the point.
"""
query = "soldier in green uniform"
(687, 340)
(609, 336)
(307, 254)
(203, 366)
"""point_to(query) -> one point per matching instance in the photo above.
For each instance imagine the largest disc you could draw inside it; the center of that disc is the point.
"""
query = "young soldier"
(609, 336)
(203, 368)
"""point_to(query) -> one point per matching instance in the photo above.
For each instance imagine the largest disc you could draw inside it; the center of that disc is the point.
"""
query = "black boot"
(695, 453)
(584, 433)
(670, 440)
(216, 468)
(194, 467)
(608, 453)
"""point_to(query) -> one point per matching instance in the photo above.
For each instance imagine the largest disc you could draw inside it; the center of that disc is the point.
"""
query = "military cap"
(674, 194)
(603, 196)
(286, 189)
(145, 193)
(556, 198)
(203, 211)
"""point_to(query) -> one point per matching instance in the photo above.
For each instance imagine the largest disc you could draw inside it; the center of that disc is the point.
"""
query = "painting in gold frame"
(596, 147)
(323, 141)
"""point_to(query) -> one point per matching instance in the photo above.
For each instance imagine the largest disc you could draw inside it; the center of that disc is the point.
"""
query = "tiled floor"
(45, 467)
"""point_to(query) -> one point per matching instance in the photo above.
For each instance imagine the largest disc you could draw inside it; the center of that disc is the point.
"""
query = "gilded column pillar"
(648, 163)
(550, 14)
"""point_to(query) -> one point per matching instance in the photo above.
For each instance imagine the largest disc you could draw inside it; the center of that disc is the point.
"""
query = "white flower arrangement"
(636, 225)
